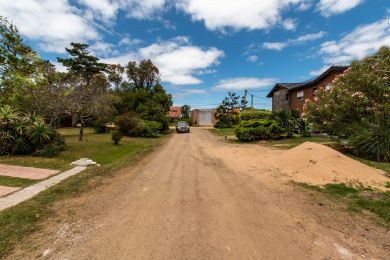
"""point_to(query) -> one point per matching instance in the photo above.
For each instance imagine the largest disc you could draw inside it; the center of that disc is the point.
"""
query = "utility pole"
(252, 101)
(245, 93)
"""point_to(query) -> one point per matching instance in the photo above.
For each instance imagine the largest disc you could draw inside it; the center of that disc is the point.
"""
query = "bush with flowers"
(357, 107)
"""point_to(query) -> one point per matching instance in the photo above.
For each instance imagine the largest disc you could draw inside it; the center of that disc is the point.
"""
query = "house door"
(205, 118)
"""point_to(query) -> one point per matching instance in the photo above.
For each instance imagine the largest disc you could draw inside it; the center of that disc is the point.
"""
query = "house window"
(286, 96)
(300, 95)
(328, 87)
(315, 92)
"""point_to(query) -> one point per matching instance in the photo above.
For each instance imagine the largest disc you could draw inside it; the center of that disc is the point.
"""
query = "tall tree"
(16, 60)
(86, 84)
(115, 74)
(82, 63)
(143, 75)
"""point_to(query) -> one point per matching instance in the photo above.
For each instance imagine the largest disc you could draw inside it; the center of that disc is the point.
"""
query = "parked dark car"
(182, 127)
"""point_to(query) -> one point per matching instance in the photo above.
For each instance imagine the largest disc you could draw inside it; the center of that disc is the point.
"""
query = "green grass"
(97, 147)
(294, 141)
(357, 199)
(24, 218)
(379, 165)
(223, 131)
(16, 182)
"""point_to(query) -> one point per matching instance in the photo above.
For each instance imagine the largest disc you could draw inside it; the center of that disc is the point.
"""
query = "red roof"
(175, 112)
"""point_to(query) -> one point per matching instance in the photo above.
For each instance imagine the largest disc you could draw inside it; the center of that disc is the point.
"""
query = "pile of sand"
(317, 164)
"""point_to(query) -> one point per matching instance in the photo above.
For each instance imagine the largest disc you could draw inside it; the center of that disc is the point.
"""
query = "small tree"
(357, 107)
(228, 111)
(185, 111)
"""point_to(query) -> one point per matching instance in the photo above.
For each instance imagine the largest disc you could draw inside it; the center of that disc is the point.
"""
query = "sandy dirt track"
(193, 200)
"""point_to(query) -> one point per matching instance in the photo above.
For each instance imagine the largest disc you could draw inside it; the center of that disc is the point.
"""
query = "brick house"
(291, 96)
(174, 112)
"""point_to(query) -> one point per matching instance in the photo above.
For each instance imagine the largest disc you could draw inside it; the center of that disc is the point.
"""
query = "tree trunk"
(81, 129)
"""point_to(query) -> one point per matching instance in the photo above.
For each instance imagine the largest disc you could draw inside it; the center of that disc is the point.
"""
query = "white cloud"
(252, 58)
(189, 92)
(206, 71)
(305, 5)
(243, 14)
(59, 66)
(362, 41)
(289, 24)
(319, 71)
(102, 9)
(309, 37)
(299, 40)
(140, 9)
(52, 24)
(127, 41)
(278, 46)
(143, 9)
(101, 48)
(331, 7)
(177, 59)
(244, 83)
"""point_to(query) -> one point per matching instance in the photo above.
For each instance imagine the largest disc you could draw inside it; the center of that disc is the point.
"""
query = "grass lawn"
(289, 143)
(222, 131)
(357, 200)
(97, 147)
(16, 182)
(24, 218)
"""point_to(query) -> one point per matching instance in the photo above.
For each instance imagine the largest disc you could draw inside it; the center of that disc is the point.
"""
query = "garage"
(203, 117)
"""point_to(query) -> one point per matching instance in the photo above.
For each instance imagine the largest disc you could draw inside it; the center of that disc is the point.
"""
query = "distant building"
(203, 117)
(175, 112)
(291, 96)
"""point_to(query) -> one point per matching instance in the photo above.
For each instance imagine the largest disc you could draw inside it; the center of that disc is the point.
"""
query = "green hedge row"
(259, 129)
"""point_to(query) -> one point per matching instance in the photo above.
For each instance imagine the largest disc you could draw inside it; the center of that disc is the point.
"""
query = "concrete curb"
(29, 192)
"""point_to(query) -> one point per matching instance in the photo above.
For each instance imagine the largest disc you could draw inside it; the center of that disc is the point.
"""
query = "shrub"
(227, 121)
(357, 106)
(369, 142)
(150, 128)
(116, 137)
(287, 120)
(255, 114)
(27, 134)
(129, 124)
(99, 125)
(303, 127)
(259, 129)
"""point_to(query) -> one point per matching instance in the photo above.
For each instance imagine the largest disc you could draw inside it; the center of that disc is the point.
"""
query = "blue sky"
(205, 48)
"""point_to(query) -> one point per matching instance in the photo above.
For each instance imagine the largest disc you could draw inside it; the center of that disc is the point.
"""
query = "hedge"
(259, 129)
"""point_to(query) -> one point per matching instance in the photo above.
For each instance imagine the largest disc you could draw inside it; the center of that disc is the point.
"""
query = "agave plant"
(39, 134)
(8, 115)
(33, 119)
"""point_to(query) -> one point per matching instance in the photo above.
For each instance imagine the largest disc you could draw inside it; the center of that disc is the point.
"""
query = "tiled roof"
(307, 83)
(175, 112)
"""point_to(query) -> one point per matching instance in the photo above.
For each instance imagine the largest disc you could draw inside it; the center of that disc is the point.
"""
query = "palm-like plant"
(33, 119)
(39, 134)
(8, 115)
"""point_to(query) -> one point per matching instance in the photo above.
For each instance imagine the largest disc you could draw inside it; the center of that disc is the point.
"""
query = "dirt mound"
(317, 164)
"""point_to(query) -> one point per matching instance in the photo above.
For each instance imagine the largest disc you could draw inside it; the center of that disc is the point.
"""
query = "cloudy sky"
(205, 48)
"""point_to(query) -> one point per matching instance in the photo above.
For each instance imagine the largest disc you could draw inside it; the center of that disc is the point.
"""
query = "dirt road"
(192, 199)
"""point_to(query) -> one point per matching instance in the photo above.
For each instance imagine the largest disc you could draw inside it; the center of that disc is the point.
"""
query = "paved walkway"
(33, 190)
(25, 172)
